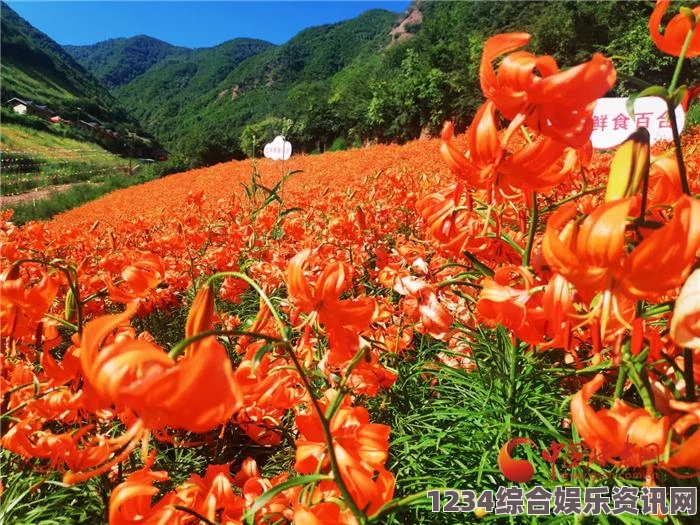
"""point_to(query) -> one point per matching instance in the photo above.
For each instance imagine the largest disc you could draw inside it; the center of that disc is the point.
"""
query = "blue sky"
(190, 24)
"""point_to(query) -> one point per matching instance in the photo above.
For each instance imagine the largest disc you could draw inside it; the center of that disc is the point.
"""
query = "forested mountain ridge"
(36, 68)
(119, 60)
(381, 76)
(201, 104)
(378, 77)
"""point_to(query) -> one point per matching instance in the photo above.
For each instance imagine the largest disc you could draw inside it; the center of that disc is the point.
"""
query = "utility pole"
(130, 136)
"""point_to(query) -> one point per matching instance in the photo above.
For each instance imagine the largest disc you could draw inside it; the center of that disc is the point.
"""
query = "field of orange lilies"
(230, 345)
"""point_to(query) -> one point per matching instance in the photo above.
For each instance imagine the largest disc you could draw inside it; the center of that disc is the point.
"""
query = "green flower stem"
(100, 293)
(184, 343)
(659, 309)
(61, 321)
(534, 216)
(642, 388)
(581, 193)
(457, 282)
(513, 376)
(485, 270)
(263, 296)
(503, 235)
(266, 496)
(622, 373)
(25, 403)
(335, 404)
(328, 438)
(681, 59)
(688, 375)
(672, 111)
(679, 151)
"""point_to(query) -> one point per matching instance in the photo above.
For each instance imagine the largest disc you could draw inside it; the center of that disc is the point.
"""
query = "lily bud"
(629, 167)
(201, 315)
(70, 306)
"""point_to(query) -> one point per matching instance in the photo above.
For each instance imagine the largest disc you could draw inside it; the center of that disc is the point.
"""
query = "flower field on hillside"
(504, 308)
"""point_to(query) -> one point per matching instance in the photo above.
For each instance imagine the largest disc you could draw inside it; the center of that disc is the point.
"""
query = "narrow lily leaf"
(655, 91)
(261, 500)
(260, 354)
(678, 96)
(651, 91)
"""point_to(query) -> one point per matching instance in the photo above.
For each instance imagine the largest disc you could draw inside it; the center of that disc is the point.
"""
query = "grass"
(76, 195)
(34, 158)
(30, 498)
(449, 424)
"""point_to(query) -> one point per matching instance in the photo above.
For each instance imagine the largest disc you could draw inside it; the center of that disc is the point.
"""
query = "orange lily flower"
(631, 437)
(200, 318)
(361, 449)
(690, 97)
(673, 248)
(484, 148)
(686, 454)
(622, 435)
(671, 42)
(261, 424)
(343, 319)
(591, 254)
(321, 514)
(68, 449)
(531, 90)
(22, 308)
(451, 223)
(197, 393)
(323, 299)
(541, 165)
(423, 305)
(664, 181)
(514, 308)
(140, 277)
(130, 501)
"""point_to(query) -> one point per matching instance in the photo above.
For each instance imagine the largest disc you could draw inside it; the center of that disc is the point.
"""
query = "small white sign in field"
(612, 124)
(278, 149)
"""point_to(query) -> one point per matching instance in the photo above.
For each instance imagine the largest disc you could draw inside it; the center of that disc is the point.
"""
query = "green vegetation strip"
(75, 196)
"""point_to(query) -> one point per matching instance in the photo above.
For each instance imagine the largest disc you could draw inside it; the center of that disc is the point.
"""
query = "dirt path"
(35, 195)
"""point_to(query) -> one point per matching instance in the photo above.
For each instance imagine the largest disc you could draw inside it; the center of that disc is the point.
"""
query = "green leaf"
(260, 354)
(267, 496)
(651, 91)
(678, 95)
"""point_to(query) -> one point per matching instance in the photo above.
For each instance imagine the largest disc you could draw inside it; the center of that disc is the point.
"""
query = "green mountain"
(118, 61)
(36, 68)
(175, 88)
(377, 77)
(200, 104)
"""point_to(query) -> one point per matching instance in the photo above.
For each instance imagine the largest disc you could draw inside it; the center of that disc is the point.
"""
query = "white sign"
(612, 124)
(278, 149)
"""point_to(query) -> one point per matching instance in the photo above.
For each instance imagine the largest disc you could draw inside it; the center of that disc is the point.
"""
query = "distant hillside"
(200, 104)
(378, 77)
(36, 68)
(118, 61)
(179, 86)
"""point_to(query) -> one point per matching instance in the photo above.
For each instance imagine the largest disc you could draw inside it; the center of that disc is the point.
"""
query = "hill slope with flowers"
(335, 173)
(346, 347)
